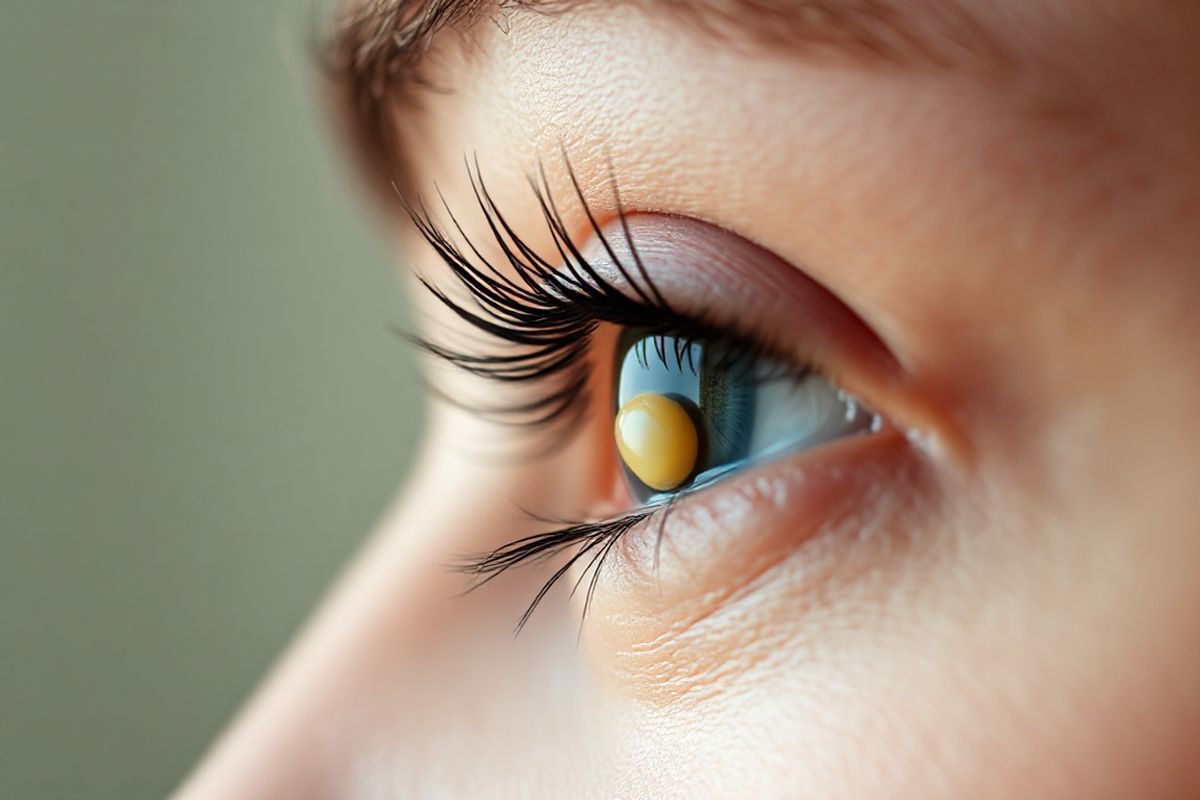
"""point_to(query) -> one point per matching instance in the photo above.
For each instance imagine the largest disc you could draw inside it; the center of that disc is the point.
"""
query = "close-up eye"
(633, 346)
(664, 399)
(689, 412)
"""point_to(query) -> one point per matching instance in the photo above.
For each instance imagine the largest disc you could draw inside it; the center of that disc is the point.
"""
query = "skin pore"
(993, 597)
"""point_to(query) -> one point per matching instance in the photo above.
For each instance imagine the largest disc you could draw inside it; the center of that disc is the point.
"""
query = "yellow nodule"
(657, 440)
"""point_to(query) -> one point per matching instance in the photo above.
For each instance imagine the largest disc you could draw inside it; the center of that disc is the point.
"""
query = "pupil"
(716, 390)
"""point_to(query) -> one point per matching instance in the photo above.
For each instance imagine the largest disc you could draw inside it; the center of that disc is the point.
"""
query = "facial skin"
(995, 597)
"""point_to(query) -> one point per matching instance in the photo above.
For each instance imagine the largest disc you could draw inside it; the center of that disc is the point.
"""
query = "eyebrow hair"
(377, 47)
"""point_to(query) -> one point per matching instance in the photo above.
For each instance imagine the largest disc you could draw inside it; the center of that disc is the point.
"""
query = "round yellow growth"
(657, 440)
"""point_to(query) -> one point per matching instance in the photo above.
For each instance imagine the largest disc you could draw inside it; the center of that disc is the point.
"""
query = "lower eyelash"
(597, 538)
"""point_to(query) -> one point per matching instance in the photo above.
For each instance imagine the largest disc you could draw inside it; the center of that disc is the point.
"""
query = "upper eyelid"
(798, 318)
(547, 313)
(530, 302)
(794, 317)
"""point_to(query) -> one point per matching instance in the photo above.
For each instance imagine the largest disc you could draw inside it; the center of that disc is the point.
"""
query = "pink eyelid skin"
(706, 270)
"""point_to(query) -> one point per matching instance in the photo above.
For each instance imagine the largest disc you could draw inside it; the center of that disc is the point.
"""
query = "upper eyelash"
(547, 314)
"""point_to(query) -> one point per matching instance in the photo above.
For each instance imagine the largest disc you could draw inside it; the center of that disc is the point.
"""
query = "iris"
(743, 407)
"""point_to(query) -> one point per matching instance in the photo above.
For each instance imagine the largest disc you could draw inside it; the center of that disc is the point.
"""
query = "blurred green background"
(202, 405)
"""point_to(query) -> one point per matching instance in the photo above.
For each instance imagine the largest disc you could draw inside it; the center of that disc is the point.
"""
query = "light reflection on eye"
(745, 408)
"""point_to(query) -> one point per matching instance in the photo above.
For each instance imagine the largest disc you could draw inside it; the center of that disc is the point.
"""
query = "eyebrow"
(377, 47)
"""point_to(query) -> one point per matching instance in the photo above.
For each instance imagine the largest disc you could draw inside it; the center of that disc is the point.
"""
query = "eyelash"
(547, 316)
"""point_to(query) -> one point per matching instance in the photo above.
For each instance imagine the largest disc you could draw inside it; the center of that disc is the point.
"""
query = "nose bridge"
(397, 660)
(392, 609)
(275, 746)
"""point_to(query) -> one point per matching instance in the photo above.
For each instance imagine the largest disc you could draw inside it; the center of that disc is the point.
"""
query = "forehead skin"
(1024, 238)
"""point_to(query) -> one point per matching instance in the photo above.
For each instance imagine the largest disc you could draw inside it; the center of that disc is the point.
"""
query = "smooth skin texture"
(995, 597)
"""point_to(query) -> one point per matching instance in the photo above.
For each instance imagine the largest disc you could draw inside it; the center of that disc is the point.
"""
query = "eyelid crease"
(726, 271)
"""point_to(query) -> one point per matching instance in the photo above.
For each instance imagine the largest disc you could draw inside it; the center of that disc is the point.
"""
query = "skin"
(994, 597)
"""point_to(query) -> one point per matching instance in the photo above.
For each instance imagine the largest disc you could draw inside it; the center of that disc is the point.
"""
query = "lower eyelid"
(720, 543)
(704, 268)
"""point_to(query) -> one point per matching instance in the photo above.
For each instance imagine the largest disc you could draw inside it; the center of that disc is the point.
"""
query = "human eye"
(690, 412)
(698, 356)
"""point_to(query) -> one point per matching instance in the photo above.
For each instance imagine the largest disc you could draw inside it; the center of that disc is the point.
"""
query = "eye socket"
(690, 412)
(711, 330)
